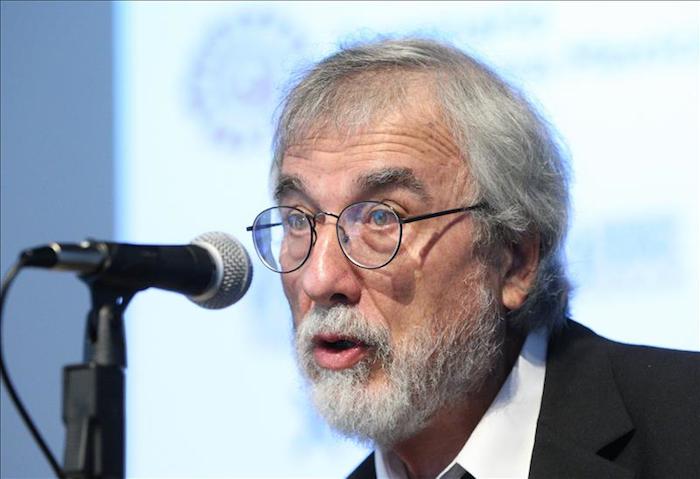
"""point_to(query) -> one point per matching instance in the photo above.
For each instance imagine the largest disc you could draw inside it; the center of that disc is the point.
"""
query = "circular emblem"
(237, 73)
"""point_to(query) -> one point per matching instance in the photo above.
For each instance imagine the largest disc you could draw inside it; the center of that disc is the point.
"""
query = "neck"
(430, 451)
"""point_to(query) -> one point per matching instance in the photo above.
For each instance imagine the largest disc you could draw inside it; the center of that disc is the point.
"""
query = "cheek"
(414, 289)
(443, 287)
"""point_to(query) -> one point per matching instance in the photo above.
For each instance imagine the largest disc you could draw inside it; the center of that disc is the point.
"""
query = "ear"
(519, 271)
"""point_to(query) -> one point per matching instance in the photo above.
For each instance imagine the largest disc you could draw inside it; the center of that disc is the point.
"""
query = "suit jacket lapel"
(366, 469)
(583, 423)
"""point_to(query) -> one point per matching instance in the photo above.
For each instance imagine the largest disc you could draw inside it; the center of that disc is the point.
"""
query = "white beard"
(433, 365)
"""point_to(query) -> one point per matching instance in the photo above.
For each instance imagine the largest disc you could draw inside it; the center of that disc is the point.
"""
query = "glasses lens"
(282, 238)
(369, 233)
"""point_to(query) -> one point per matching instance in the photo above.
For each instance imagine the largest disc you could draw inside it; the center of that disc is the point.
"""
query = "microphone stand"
(93, 392)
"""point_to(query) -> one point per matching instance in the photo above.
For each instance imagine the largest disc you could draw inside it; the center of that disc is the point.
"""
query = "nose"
(328, 277)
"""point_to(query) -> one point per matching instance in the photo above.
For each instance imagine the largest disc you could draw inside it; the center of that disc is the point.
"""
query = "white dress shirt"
(501, 444)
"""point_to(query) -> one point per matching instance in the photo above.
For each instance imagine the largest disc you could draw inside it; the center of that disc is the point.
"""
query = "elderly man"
(422, 207)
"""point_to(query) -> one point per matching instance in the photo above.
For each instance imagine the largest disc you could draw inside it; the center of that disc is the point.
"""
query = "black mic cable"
(14, 397)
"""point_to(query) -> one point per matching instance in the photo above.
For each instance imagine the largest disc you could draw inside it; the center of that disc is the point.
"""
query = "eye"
(343, 236)
(381, 216)
(296, 222)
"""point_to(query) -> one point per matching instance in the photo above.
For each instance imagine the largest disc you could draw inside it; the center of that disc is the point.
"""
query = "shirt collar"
(501, 444)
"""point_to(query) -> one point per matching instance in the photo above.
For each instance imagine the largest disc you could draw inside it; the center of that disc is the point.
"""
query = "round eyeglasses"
(369, 233)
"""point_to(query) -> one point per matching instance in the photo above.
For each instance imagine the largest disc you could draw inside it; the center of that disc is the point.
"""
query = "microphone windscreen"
(234, 270)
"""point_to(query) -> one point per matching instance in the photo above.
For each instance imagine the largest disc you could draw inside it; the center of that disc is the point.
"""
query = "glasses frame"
(314, 234)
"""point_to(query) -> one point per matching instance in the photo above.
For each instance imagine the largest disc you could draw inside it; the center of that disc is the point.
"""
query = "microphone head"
(234, 270)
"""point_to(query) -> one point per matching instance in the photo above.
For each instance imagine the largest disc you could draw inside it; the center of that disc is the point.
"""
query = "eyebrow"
(288, 184)
(392, 177)
(371, 182)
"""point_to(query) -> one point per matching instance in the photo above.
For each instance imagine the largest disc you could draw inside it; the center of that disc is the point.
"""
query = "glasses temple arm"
(442, 213)
(263, 226)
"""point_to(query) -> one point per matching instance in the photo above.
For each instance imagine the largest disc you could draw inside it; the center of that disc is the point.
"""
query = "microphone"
(214, 270)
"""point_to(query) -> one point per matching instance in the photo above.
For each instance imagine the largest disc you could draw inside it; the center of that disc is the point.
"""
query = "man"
(422, 207)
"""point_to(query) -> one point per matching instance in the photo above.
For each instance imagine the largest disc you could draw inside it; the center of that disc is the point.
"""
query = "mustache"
(342, 320)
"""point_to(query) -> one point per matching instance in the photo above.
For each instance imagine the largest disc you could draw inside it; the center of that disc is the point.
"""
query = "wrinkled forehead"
(402, 151)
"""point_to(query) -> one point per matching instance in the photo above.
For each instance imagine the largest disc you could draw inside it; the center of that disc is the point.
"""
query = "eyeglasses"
(369, 233)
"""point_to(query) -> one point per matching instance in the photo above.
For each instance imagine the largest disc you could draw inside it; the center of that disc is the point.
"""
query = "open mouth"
(335, 351)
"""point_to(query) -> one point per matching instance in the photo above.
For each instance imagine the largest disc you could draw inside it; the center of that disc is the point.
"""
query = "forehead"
(402, 151)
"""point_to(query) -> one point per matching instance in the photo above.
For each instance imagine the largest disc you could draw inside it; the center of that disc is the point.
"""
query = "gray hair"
(515, 163)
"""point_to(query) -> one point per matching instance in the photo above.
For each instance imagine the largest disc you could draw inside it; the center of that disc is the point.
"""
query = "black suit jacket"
(611, 410)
